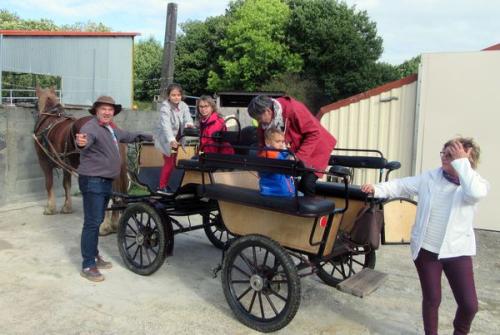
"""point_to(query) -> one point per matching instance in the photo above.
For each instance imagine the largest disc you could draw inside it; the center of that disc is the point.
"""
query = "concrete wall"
(21, 178)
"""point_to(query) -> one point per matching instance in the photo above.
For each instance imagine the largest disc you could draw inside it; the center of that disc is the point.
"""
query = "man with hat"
(99, 164)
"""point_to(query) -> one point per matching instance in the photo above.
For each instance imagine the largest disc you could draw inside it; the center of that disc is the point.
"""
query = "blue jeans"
(96, 192)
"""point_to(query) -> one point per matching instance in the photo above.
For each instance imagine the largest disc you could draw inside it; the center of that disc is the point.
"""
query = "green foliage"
(409, 67)
(303, 89)
(339, 45)
(147, 68)
(255, 47)
(198, 48)
(86, 26)
(11, 21)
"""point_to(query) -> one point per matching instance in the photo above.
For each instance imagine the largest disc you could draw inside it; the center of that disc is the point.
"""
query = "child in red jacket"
(210, 123)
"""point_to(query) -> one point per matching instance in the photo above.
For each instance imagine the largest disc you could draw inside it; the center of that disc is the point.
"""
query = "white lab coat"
(459, 239)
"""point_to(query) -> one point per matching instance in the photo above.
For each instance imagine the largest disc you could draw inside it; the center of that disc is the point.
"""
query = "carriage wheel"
(341, 267)
(215, 229)
(261, 283)
(141, 239)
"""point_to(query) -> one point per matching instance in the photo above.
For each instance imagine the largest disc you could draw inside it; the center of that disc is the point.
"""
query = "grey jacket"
(101, 157)
(170, 124)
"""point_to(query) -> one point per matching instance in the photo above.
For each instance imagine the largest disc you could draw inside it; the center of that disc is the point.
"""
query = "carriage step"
(363, 283)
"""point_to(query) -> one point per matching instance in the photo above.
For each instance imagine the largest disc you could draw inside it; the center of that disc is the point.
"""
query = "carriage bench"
(337, 190)
(298, 206)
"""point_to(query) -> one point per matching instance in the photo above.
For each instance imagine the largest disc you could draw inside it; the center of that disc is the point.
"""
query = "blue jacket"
(276, 184)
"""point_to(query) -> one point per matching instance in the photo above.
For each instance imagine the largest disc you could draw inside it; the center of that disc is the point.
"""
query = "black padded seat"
(188, 164)
(337, 190)
(299, 206)
(366, 162)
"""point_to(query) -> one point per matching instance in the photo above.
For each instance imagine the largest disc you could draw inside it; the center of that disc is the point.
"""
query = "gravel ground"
(41, 291)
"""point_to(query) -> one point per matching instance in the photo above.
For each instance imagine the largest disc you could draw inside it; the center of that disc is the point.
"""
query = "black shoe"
(166, 191)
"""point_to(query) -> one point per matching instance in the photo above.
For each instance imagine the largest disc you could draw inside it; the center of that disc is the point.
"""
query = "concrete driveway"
(41, 291)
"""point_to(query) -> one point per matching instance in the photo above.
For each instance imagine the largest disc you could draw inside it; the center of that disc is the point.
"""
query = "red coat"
(213, 124)
(308, 139)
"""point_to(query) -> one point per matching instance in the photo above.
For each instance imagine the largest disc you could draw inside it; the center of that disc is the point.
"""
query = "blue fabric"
(96, 192)
(276, 184)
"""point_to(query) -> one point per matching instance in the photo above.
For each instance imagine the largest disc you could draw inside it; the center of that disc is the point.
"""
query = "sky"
(408, 27)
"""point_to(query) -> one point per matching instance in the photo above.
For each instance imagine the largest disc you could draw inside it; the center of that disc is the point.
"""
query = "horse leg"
(50, 208)
(67, 208)
(110, 224)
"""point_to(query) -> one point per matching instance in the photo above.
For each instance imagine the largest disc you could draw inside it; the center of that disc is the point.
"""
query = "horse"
(54, 137)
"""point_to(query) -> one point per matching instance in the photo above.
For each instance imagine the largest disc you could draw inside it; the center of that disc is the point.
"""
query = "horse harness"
(41, 137)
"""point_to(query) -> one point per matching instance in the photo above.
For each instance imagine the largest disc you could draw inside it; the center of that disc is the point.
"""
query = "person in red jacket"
(210, 123)
(304, 134)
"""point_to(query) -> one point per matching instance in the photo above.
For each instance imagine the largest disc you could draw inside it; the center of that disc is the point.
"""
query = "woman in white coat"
(174, 117)
(442, 237)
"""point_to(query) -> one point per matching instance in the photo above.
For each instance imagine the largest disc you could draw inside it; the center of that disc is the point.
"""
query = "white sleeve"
(473, 185)
(403, 187)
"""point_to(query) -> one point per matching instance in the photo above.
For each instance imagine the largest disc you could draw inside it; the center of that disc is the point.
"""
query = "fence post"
(11, 99)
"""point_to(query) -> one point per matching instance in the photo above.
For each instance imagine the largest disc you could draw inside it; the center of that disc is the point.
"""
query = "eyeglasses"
(203, 106)
(445, 155)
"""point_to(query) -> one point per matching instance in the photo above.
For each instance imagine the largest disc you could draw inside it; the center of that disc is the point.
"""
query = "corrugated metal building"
(454, 94)
(90, 64)
(382, 118)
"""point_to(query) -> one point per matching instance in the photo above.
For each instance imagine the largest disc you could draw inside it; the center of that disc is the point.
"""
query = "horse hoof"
(49, 211)
(65, 210)
(106, 231)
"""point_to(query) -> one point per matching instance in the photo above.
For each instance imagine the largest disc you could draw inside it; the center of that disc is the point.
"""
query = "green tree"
(11, 21)
(409, 67)
(292, 84)
(197, 50)
(255, 48)
(338, 44)
(147, 68)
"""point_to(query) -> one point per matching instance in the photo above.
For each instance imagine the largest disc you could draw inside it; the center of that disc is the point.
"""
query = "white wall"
(459, 94)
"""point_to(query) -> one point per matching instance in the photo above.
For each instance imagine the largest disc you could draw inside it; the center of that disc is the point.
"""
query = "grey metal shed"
(90, 64)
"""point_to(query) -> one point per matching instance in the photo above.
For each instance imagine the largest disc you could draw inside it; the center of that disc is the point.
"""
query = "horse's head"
(47, 102)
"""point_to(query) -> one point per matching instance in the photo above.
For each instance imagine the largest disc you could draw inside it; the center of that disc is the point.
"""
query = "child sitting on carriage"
(275, 184)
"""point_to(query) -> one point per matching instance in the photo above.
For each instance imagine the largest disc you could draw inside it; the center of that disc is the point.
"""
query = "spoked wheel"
(261, 283)
(141, 239)
(215, 229)
(343, 266)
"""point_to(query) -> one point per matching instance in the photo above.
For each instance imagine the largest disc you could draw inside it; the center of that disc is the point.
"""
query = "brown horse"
(54, 136)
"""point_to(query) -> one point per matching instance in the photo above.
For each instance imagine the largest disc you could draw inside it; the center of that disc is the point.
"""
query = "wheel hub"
(139, 239)
(257, 282)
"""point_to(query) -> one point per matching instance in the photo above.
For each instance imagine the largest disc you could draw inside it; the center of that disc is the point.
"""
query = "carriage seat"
(337, 190)
(299, 206)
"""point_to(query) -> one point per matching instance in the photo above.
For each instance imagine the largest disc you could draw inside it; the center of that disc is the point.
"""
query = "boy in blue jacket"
(275, 184)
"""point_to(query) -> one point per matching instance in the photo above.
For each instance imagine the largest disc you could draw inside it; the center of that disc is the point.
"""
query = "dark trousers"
(96, 192)
(307, 184)
(460, 276)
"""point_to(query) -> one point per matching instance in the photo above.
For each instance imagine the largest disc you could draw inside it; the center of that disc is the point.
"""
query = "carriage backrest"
(211, 161)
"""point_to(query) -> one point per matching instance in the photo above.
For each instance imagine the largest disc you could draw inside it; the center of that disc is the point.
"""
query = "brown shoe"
(92, 274)
(100, 263)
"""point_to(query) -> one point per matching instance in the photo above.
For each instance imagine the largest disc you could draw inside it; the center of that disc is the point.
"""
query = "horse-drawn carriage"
(268, 243)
